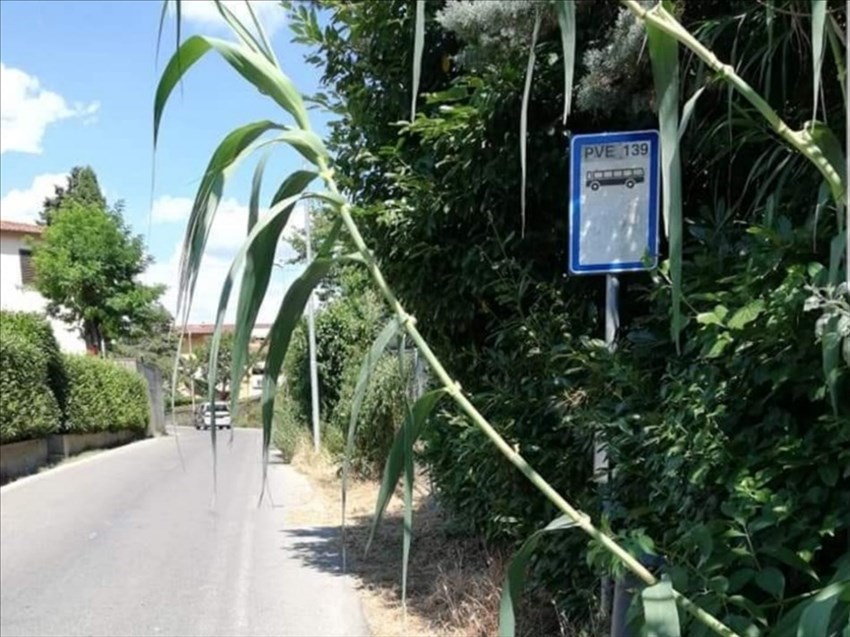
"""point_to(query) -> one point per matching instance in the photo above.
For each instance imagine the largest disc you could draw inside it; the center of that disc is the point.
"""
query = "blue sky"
(78, 79)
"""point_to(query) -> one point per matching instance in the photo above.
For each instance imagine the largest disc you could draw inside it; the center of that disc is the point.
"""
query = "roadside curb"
(72, 463)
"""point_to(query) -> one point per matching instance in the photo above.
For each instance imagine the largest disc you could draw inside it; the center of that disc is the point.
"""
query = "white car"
(204, 417)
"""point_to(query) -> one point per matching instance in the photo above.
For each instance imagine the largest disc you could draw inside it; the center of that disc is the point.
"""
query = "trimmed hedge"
(36, 330)
(104, 396)
(28, 409)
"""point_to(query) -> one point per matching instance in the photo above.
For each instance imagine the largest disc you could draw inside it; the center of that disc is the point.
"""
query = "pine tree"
(82, 188)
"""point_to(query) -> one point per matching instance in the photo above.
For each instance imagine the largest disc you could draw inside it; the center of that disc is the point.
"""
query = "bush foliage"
(381, 413)
(36, 330)
(731, 455)
(104, 396)
(28, 408)
(345, 328)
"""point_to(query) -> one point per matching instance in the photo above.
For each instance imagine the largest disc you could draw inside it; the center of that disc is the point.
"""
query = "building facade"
(196, 335)
(17, 277)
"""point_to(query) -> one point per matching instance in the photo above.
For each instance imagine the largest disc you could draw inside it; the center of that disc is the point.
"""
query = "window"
(27, 269)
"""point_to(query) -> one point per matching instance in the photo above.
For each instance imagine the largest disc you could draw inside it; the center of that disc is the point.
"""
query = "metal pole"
(600, 452)
(191, 380)
(311, 332)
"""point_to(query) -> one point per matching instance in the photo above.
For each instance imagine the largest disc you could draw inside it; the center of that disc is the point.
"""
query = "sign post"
(614, 181)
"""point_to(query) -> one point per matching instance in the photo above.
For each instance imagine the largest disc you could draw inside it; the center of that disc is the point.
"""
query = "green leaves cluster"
(37, 331)
(87, 266)
(104, 396)
(28, 406)
(44, 392)
(439, 200)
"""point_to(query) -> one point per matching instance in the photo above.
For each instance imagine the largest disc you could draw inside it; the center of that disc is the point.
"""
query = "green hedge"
(104, 397)
(28, 408)
(36, 330)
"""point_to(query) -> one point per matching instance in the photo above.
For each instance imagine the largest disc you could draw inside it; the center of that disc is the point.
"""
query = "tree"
(152, 340)
(82, 187)
(87, 266)
(225, 356)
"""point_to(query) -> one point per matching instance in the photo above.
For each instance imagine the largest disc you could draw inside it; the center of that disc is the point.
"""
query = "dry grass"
(454, 583)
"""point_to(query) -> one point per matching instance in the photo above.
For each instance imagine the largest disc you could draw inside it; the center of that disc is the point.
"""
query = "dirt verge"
(454, 583)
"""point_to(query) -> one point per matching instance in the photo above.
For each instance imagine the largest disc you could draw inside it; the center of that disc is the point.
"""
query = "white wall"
(13, 296)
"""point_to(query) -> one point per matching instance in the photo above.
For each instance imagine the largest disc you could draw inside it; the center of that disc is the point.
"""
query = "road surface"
(128, 543)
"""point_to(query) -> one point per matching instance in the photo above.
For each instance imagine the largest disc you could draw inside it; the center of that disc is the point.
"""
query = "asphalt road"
(127, 542)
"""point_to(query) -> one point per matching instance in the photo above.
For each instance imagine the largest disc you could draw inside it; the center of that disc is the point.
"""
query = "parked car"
(204, 416)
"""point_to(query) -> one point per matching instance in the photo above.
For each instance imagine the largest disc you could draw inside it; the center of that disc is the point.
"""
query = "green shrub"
(249, 415)
(28, 408)
(288, 430)
(381, 413)
(104, 396)
(344, 330)
(333, 439)
(36, 330)
(729, 453)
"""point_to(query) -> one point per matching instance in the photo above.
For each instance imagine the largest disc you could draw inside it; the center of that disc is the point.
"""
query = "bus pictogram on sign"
(627, 177)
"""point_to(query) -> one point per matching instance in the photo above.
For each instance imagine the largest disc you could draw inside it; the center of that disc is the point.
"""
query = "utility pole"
(311, 332)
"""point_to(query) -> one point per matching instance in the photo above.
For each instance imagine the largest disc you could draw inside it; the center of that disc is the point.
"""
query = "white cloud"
(231, 220)
(168, 209)
(227, 234)
(24, 205)
(27, 109)
(205, 14)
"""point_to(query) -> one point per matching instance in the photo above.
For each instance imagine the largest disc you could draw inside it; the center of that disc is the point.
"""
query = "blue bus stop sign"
(614, 202)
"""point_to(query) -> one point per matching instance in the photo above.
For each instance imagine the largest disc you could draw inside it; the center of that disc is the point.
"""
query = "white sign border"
(652, 239)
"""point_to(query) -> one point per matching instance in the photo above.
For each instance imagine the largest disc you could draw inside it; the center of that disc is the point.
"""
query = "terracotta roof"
(209, 328)
(21, 228)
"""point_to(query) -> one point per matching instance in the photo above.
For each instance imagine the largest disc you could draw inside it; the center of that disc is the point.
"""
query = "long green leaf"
(418, 49)
(235, 146)
(660, 614)
(258, 258)
(163, 12)
(818, 32)
(664, 54)
(266, 231)
(256, 186)
(266, 45)
(838, 56)
(273, 223)
(688, 112)
(566, 10)
(367, 367)
(419, 413)
(515, 577)
(523, 117)
(831, 338)
(280, 334)
(242, 33)
(306, 142)
(252, 66)
(815, 619)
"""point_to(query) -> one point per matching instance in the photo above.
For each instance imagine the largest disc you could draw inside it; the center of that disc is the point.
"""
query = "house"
(17, 277)
(195, 335)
